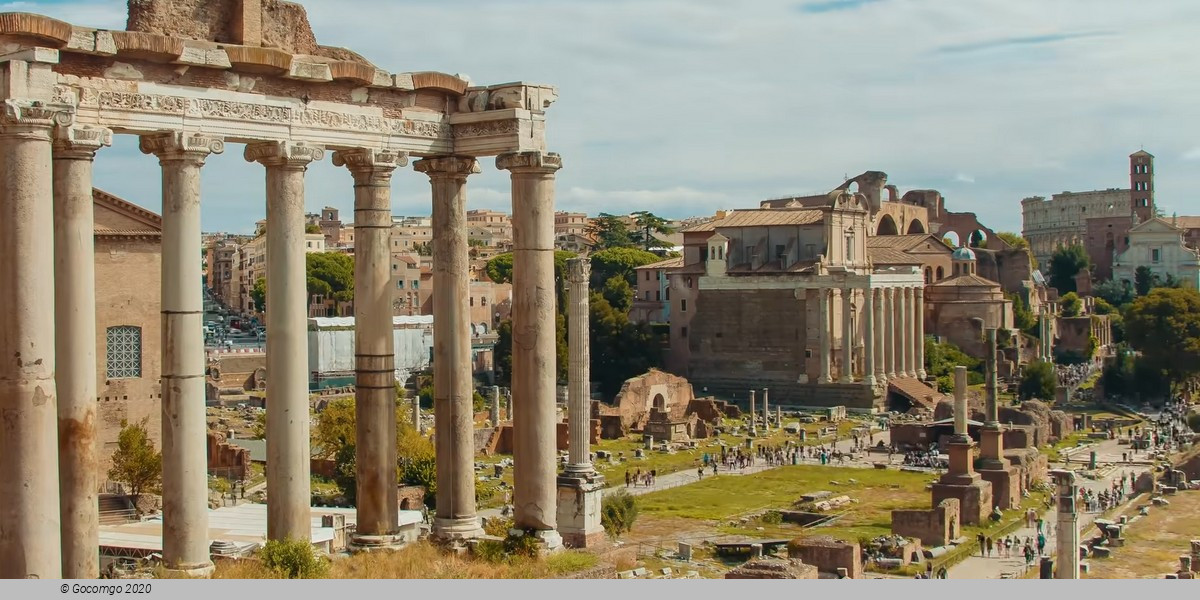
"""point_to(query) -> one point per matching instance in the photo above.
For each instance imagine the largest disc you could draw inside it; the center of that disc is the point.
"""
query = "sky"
(685, 107)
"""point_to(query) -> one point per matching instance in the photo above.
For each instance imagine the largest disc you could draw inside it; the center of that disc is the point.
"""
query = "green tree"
(330, 274)
(499, 268)
(1143, 280)
(1116, 293)
(1071, 304)
(618, 512)
(619, 261)
(312, 229)
(258, 294)
(649, 224)
(1023, 318)
(1037, 382)
(940, 360)
(610, 231)
(423, 248)
(135, 462)
(620, 349)
(1065, 264)
(1164, 326)
(618, 293)
(1013, 239)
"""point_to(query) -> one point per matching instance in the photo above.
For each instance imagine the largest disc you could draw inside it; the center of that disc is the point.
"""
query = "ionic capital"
(370, 166)
(33, 118)
(80, 142)
(530, 162)
(447, 167)
(180, 146)
(289, 155)
(579, 270)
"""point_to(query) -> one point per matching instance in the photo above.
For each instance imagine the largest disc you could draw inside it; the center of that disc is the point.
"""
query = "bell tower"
(1141, 186)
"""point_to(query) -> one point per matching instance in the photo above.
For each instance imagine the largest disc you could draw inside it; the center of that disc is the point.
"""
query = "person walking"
(982, 545)
(989, 547)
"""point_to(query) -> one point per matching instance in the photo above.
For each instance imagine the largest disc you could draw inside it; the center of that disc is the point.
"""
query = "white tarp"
(331, 345)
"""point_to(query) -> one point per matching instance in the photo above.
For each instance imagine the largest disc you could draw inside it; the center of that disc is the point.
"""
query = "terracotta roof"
(968, 280)
(102, 230)
(901, 242)
(669, 263)
(763, 217)
(1186, 222)
(891, 256)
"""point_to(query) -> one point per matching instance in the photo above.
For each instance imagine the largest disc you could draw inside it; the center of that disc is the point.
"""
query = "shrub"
(498, 527)
(618, 512)
(772, 517)
(294, 559)
(491, 551)
(522, 545)
(1193, 421)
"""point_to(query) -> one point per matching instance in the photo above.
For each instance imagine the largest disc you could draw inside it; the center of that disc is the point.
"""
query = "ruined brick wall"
(1105, 237)
(760, 336)
(828, 554)
(1073, 333)
(934, 527)
(639, 394)
(128, 284)
(410, 497)
(224, 460)
(284, 25)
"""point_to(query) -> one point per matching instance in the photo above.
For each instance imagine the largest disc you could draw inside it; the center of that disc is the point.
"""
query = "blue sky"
(684, 107)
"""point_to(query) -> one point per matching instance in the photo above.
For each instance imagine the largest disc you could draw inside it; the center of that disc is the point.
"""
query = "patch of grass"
(1153, 543)
(570, 561)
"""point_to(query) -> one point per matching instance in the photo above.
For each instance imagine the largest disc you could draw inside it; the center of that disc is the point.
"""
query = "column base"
(921, 374)
(549, 539)
(375, 543)
(456, 530)
(870, 381)
(824, 380)
(201, 571)
(579, 502)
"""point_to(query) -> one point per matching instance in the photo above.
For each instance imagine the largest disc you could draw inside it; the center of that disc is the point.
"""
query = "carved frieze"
(486, 128)
(268, 113)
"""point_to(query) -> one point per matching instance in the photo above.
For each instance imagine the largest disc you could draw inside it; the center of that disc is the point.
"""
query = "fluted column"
(919, 331)
(579, 383)
(75, 346)
(868, 337)
(29, 487)
(826, 346)
(289, 488)
(899, 341)
(847, 335)
(184, 429)
(533, 376)
(453, 385)
(887, 337)
(374, 348)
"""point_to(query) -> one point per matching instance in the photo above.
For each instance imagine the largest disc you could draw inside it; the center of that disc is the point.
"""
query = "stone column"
(29, 512)
(992, 417)
(416, 414)
(868, 337)
(960, 403)
(753, 413)
(888, 335)
(579, 271)
(495, 413)
(289, 491)
(847, 335)
(533, 376)
(901, 331)
(826, 346)
(75, 346)
(453, 385)
(919, 335)
(184, 428)
(1067, 564)
(374, 345)
(910, 332)
(766, 413)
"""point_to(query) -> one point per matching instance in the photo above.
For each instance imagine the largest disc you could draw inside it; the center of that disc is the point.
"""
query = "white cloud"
(964, 178)
(744, 101)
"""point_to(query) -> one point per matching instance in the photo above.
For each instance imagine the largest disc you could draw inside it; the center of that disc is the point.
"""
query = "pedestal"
(963, 483)
(994, 469)
(579, 500)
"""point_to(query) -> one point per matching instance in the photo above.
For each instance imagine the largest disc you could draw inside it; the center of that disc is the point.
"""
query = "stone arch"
(887, 226)
(941, 274)
(659, 402)
(952, 238)
(978, 239)
(916, 226)
(406, 504)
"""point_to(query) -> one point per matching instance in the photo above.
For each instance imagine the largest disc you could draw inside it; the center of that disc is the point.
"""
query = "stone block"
(828, 554)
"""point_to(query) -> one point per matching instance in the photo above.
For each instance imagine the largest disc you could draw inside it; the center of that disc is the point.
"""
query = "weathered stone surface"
(773, 568)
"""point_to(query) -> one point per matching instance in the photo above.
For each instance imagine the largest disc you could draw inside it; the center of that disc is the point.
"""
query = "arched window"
(124, 352)
(941, 274)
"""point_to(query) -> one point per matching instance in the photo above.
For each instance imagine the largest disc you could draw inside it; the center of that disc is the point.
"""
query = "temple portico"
(290, 106)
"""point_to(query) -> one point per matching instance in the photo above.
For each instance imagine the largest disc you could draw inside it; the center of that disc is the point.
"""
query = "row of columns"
(1046, 332)
(892, 339)
(51, 522)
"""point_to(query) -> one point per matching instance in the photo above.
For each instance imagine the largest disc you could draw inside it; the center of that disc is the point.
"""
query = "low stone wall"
(828, 554)
(934, 527)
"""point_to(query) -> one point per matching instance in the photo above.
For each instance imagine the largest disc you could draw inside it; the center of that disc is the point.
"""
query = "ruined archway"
(659, 402)
(887, 226)
(952, 239)
(916, 227)
(406, 504)
(978, 239)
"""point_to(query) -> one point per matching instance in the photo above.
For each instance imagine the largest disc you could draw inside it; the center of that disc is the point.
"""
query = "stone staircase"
(917, 391)
(116, 509)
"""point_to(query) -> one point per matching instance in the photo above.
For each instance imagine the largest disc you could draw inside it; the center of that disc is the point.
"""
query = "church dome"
(963, 253)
